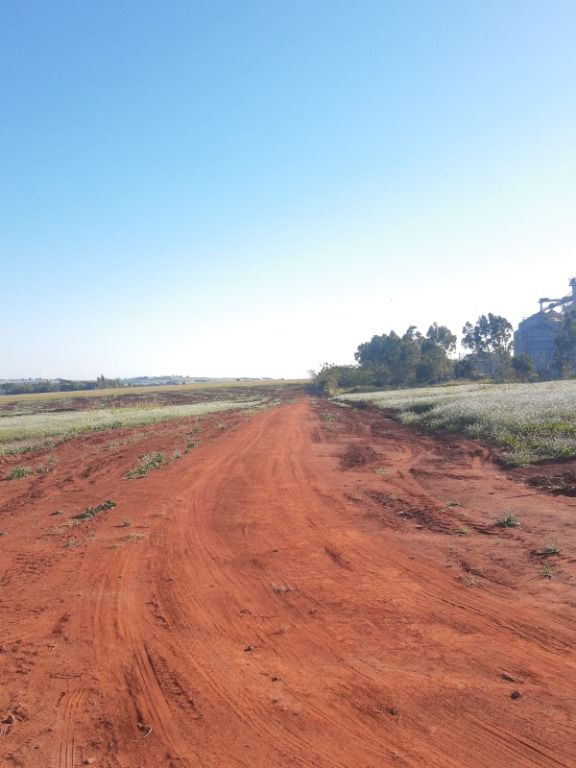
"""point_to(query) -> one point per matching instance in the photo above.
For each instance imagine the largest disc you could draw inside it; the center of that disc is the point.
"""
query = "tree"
(492, 333)
(103, 383)
(523, 367)
(408, 359)
(442, 337)
(392, 359)
(566, 346)
(465, 368)
(331, 378)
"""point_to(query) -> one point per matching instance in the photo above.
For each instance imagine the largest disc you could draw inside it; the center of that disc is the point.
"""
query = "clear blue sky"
(255, 187)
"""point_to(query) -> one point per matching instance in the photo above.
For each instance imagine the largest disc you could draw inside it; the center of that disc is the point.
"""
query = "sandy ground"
(309, 586)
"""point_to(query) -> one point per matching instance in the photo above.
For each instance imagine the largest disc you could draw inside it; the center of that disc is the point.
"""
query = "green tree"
(408, 359)
(465, 368)
(442, 337)
(566, 346)
(523, 367)
(491, 333)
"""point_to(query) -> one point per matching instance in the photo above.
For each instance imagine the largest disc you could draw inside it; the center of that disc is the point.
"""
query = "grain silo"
(536, 335)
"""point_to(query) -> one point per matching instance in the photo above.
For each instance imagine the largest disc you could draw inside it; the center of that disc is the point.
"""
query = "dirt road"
(314, 587)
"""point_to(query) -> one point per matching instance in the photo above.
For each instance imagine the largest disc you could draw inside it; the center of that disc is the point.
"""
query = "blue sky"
(254, 188)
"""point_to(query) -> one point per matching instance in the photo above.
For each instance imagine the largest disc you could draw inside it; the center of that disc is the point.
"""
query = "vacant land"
(301, 585)
(528, 422)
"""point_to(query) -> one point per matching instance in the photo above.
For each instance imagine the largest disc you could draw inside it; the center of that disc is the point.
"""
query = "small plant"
(547, 572)
(90, 512)
(453, 504)
(56, 513)
(148, 462)
(19, 472)
(133, 537)
(508, 521)
(550, 550)
(176, 455)
(382, 471)
(125, 524)
(190, 444)
(282, 588)
(462, 532)
(43, 469)
(71, 544)
(470, 580)
(2, 533)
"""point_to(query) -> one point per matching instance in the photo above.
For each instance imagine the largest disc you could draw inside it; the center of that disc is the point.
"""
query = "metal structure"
(536, 335)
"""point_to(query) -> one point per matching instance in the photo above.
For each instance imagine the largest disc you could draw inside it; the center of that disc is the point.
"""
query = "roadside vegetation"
(43, 424)
(146, 464)
(91, 512)
(413, 359)
(528, 422)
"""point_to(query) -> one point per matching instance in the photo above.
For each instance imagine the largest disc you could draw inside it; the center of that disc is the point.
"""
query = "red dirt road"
(272, 604)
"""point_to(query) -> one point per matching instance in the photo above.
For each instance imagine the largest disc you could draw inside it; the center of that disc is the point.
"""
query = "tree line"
(37, 386)
(415, 359)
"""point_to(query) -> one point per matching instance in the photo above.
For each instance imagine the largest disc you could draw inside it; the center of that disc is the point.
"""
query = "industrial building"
(536, 335)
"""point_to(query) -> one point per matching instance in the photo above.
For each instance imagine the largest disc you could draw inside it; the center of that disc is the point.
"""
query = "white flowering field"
(51, 424)
(528, 422)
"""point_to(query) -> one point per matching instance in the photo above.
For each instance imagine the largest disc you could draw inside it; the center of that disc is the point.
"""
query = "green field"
(527, 422)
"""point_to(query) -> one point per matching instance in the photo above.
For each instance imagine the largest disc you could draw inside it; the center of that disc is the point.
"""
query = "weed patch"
(281, 589)
(133, 537)
(91, 512)
(547, 572)
(508, 521)
(147, 463)
(19, 472)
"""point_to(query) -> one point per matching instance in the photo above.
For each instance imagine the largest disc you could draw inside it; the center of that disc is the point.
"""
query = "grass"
(508, 521)
(133, 537)
(147, 463)
(528, 422)
(19, 472)
(547, 572)
(28, 425)
(548, 551)
(470, 580)
(91, 512)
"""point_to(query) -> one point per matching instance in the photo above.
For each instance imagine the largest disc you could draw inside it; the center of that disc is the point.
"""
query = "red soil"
(299, 590)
